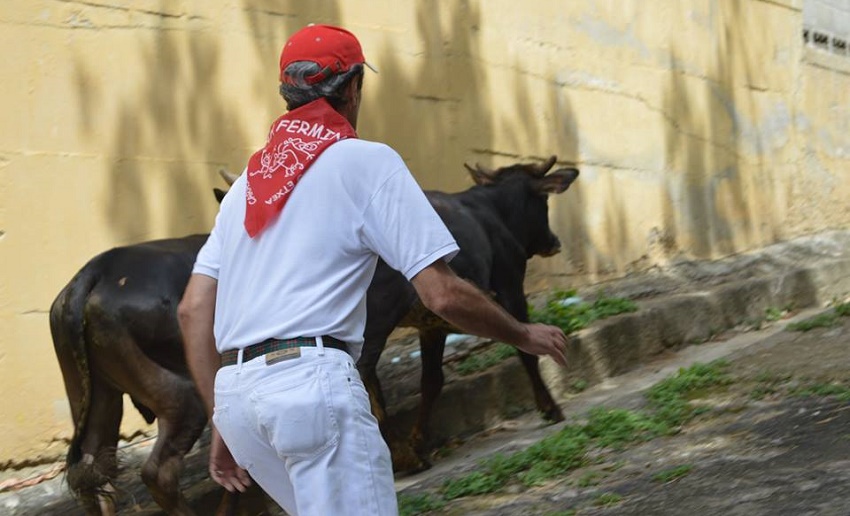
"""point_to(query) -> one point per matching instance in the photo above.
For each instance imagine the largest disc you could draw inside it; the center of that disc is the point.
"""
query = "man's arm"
(466, 307)
(196, 314)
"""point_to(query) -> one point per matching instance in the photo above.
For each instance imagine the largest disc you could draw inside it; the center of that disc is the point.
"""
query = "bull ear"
(219, 194)
(480, 175)
(556, 182)
(541, 169)
(228, 177)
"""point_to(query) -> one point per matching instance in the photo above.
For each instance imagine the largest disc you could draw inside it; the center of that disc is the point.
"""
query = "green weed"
(768, 383)
(824, 320)
(668, 475)
(574, 317)
(547, 458)
(567, 449)
(608, 499)
(615, 428)
(669, 397)
(411, 505)
(579, 385)
(485, 360)
(591, 478)
(772, 314)
(836, 390)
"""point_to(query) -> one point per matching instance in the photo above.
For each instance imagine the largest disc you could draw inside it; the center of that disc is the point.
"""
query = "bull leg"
(367, 366)
(513, 299)
(547, 406)
(180, 423)
(432, 344)
(402, 455)
(91, 476)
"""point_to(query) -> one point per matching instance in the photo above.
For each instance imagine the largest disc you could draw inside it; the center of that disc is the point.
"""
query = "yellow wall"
(702, 128)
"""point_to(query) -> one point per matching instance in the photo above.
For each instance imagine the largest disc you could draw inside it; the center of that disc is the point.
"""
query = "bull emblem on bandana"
(290, 155)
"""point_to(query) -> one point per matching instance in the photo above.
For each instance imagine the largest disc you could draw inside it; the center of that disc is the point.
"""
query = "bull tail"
(67, 327)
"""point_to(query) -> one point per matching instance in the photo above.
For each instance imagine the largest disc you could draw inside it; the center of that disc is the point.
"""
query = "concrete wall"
(702, 128)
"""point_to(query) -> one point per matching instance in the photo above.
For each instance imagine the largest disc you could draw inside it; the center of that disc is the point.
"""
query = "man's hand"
(463, 305)
(223, 468)
(542, 339)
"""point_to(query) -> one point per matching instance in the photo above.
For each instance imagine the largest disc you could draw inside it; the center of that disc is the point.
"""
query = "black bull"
(115, 328)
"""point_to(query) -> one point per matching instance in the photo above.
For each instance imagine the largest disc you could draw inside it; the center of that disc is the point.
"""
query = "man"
(274, 313)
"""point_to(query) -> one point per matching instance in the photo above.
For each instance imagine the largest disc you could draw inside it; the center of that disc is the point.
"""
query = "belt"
(231, 356)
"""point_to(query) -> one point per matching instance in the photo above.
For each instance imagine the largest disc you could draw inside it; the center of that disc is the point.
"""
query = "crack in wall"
(434, 98)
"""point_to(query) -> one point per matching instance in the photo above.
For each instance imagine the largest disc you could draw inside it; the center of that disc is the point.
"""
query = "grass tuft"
(669, 475)
(411, 505)
(824, 320)
(572, 317)
(481, 361)
(836, 390)
(608, 499)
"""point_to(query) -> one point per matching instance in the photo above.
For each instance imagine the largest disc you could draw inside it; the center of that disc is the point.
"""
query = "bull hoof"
(405, 460)
(553, 414)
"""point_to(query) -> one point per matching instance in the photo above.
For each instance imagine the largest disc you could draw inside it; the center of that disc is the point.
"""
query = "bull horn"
(480, 175)
(228, 177)
(545, 166)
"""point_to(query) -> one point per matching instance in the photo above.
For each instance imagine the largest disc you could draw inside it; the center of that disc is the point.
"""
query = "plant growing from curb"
(824, 320)
(772, 314)
(574, 316)
(480, 361)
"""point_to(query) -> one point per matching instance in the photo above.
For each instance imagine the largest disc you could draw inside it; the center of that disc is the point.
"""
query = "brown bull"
(114, 329)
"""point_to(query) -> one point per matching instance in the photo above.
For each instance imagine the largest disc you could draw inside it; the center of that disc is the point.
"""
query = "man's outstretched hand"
(543, 339)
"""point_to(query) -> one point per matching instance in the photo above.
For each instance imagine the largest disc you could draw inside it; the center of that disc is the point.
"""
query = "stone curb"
(620, 344)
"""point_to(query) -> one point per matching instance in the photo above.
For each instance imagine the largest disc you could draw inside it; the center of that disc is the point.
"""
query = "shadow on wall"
(711, 203)
(567, 212)
(172, 131)
(435, 115)
(427, 112)
(271, 22)
(176, 122)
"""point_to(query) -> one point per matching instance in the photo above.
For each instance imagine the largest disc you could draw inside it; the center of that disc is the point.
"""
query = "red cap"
(334, 49)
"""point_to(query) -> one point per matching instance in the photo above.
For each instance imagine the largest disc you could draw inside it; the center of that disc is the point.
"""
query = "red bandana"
(296, 139)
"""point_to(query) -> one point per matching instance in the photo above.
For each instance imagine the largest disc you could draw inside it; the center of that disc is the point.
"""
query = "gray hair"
(297, 92)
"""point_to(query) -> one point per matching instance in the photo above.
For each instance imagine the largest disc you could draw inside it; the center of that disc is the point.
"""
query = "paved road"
(760, 450)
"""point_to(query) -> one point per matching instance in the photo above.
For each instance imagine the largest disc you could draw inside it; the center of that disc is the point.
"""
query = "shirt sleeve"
(209, 257)
(401, 226)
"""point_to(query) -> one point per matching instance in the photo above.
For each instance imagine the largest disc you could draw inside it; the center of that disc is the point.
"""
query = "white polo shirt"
(306, 274)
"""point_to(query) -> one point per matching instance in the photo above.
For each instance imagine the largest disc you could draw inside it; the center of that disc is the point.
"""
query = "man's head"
(322, 61)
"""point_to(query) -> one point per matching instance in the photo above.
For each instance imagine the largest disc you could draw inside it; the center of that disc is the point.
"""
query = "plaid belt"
(231, 356)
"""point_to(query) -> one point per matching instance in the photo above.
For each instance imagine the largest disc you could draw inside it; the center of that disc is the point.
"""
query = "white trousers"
(303, 429)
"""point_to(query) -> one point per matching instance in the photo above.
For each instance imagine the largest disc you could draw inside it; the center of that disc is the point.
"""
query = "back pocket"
(297, 417)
